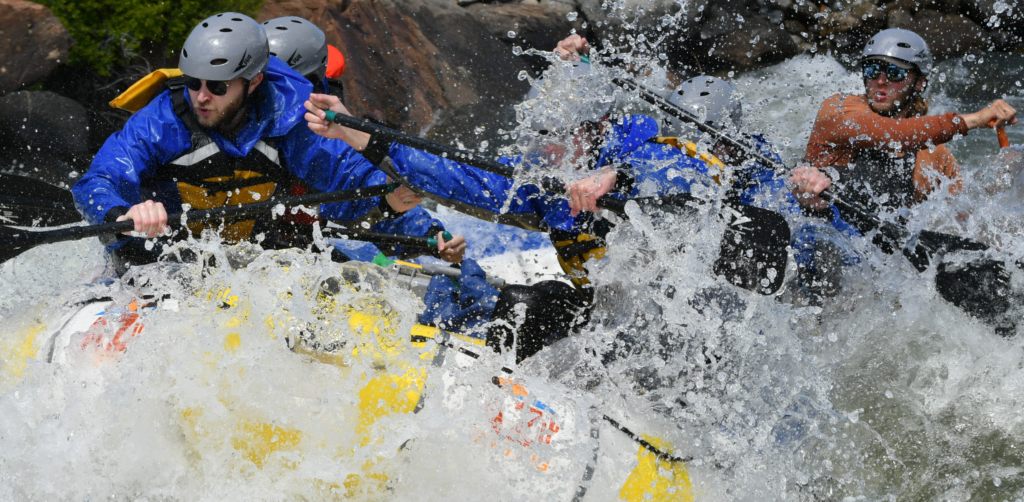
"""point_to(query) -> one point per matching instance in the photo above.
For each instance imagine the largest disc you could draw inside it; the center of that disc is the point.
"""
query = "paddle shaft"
(26, 238)
(443, 340)
(378, 132)
(387, 239)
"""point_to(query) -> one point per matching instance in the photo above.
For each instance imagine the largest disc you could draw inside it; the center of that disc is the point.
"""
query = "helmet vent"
(219, 61)
(226, 30)
(184, 53)
(282, 28)
(206, 25)
(236, 19)
(273, 54)
(296, 21)
(704, 93)
(324, 60)
(904, 45)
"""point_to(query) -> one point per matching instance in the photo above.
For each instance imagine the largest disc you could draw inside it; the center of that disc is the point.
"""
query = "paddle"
(980, 288)
(29, 202)
(386, 239)
(754, 248)
(14, 241)
(442, 339)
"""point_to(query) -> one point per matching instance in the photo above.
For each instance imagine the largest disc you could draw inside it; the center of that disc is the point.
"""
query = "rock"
(409, 62)
(742, 40)
(949, 35)
(44, 136)
(536, 26)
(1002, 15)
(32, 43)
(607, 16)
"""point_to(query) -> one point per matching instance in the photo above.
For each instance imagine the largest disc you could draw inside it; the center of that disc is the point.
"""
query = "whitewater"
(886, 392)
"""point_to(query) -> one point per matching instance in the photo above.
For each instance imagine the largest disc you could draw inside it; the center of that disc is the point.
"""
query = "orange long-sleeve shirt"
(847, 125)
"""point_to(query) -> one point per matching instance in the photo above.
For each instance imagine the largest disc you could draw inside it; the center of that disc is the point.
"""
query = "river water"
(885, 393)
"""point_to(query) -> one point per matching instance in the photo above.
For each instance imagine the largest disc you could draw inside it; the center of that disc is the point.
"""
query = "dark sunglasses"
(893, 73)
(216, 87)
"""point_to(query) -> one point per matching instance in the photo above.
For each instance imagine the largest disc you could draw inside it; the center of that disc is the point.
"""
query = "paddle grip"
(1004, 140)
(470, 159)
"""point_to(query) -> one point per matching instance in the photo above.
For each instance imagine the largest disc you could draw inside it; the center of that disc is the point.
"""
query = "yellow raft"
(357, 332)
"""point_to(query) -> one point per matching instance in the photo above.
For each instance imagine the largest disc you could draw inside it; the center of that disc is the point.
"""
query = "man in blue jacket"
(233, 137)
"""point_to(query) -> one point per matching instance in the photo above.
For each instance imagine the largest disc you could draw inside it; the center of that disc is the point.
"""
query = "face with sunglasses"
(889, 87)
(217, 103)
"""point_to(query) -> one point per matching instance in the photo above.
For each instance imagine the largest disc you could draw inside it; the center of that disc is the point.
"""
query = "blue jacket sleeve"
(468, 185)
(151, 138)
(328, 165)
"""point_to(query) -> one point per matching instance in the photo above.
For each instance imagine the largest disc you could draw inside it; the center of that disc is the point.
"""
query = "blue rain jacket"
(657, 169)
(154, 136)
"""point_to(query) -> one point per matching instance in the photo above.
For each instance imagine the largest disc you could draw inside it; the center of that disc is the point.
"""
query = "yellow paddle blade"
(143, 91)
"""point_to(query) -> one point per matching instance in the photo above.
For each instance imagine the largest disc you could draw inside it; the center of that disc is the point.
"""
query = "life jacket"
(587, 240)
(205, 177)
(877, 179)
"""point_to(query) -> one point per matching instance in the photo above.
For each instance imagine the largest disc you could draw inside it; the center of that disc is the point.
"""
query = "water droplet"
(942, 77)
(523, 75)
(365, 225)
(999, 8)
(516, 50)
(997, 481)
(511, 34)
(573, 15)
(662, 56)
(888, 394)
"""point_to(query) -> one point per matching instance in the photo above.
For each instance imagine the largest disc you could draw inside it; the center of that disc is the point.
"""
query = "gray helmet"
(712, 99)
(900, 44)
(299, 43)
(573, 93)
(225, 47)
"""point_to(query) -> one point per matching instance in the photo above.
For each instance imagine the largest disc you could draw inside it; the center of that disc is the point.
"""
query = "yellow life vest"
(143, 91)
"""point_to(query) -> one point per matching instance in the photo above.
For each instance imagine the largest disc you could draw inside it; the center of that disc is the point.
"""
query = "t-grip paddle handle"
(1004, 140)
(432, 242)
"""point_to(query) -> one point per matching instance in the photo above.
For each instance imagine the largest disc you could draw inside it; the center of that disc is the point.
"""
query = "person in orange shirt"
(879, 149)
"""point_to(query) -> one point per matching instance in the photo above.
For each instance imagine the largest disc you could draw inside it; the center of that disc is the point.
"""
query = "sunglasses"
(893, 73)
(216, 87)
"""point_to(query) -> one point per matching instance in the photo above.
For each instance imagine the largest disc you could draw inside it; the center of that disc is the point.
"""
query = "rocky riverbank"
(444, 65)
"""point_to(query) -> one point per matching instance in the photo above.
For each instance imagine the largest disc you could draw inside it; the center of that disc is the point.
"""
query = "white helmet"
(900, 44)
(568, 95)
(225, 47)
(299, 43)
(714, 100)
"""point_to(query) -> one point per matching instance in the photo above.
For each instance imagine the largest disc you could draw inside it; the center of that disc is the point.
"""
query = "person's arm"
(329, 165)
(111, 189)
(418, 222)
(931, 166)
(851, 123)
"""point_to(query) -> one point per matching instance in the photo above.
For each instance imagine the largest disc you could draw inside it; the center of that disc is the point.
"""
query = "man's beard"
(217, 120)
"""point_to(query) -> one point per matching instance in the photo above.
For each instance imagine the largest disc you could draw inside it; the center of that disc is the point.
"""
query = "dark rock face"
(44, 136)
(740, 40)
(950, 35)
(32, 43)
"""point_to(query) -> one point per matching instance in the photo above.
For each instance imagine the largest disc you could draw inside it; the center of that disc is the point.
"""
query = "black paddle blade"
(10, 253)
(754, 250)
(931, 243)
(982, 289)
(29, 202)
